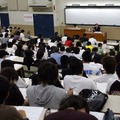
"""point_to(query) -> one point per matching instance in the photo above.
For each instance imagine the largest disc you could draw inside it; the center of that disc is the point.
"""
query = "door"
(44, 25)
(4, 19)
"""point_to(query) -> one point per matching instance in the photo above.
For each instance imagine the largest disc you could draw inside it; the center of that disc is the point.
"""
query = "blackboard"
(103, 15)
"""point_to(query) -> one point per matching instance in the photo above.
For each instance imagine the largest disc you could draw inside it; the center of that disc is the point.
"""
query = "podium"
(99, 36)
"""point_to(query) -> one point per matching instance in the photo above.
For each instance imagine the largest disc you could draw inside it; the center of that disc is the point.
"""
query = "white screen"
(102, 16)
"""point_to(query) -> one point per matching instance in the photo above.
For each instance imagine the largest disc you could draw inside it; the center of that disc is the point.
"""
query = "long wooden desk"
(99, 36)
(72, 31)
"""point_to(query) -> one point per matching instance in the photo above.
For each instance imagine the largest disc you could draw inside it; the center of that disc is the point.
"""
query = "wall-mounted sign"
(28, 17)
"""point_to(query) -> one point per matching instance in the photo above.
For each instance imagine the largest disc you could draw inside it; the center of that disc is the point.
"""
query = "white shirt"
(91, 69)
(111, 81)
(22, 36)
(78, 56)
(100, 66)
(93, 41)
(51, 43)
(106, 77)
(78, 83)
(11, 51)
(105, 49)
(64, 38)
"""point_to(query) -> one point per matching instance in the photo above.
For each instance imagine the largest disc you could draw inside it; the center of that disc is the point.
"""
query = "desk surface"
(18, 66)
(15, 59)
(25, 39)
(113, 103)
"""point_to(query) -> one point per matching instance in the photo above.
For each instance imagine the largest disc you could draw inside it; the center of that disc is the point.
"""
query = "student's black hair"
(10, 73)
(1, 35)
(76, 50)
(56, 49)
(14, 41)
(28, 53)
(97, 58)
(88, 43)
(109, 64)
(62, 48)
(117, 57)
(118, 70)
(6, 35)
(22, 31)
(75, 101)
(64, 60)
(7, 63)
(10, 44)
(47, 73)
(78, 44)
(86, 56)
(68, 50)
(99, 44)
(95, 49)
(105, 41)
(39, 54)
(112, 53)
(4, 88)
(19, 46)
(71, 59)
(3, 46)
(76, 67)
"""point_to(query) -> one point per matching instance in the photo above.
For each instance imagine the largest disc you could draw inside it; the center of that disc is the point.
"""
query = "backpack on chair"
(95, 99)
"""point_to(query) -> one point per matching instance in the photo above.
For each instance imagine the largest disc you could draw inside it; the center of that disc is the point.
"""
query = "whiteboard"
(102, 16)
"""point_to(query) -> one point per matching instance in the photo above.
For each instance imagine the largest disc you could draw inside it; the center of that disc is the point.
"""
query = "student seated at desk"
(113, 86)
(109, 64)
(76, 80)
(15, 97)
(89, 69)
(7, 112)
(19, 51)
(8, 63)
(72, 108)
(28, 59)
(46, 94)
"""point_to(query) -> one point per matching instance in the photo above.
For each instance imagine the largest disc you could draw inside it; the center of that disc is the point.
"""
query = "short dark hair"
(4, 88)
(99, 44)
(97, 58)
(76, 67)
(75, 101)
(10, 44)
(64, 60)
(86, 56)
(76, 50)
(117, 57)
(3, 46)
(10, 73)
(7, 63)
(47, 73)
(118, 70)
(109, 64)
(39, 54)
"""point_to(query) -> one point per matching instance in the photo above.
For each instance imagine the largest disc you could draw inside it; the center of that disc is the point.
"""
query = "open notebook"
(33, 113)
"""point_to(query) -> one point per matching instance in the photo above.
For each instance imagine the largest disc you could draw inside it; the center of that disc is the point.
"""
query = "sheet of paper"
(33, 113)
(98, 115)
